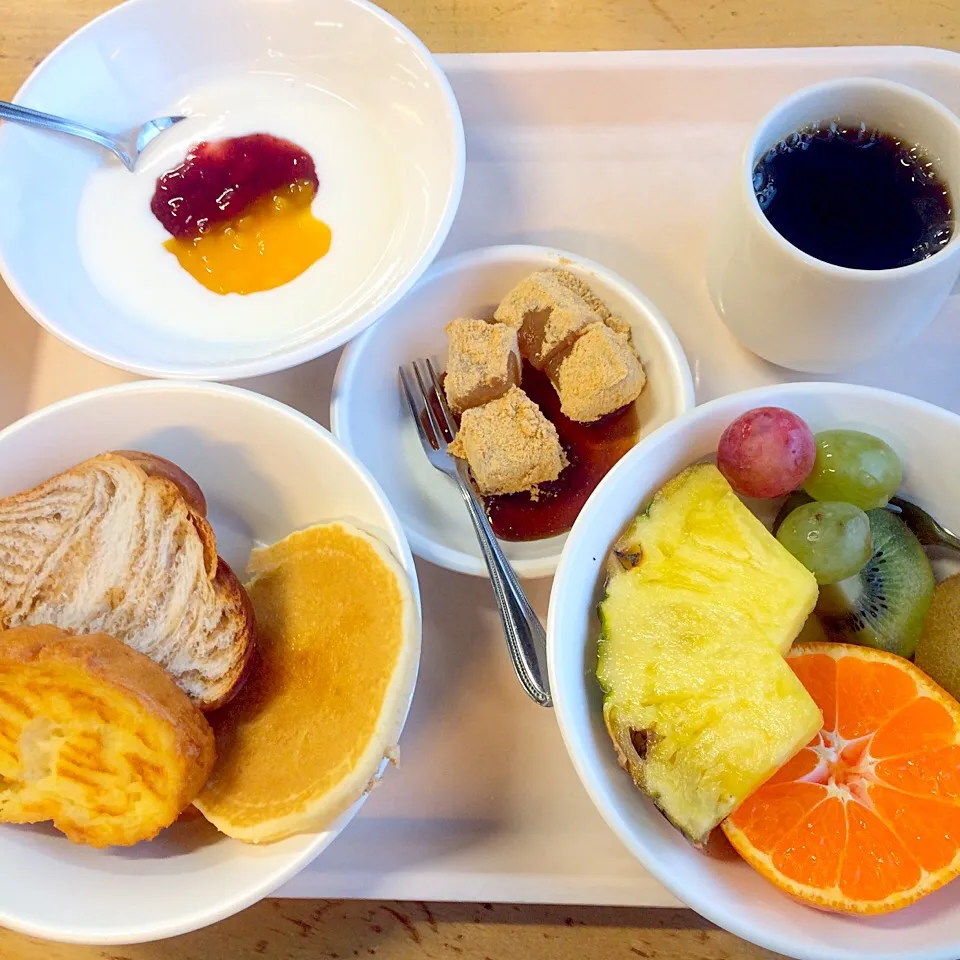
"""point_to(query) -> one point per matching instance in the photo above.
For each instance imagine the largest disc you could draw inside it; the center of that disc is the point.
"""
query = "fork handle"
(526, 638)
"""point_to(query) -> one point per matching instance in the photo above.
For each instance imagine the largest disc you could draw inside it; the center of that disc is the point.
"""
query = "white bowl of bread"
(148, 698)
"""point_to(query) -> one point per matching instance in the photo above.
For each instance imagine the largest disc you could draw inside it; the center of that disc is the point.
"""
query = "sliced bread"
(119, 544)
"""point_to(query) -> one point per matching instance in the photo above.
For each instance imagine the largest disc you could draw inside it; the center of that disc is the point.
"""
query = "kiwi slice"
(884, 605)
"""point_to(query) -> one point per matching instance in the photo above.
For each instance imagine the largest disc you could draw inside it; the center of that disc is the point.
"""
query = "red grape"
(766, 452)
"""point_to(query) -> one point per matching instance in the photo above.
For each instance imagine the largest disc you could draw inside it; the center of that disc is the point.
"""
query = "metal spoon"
(927, 530)
(127, 146)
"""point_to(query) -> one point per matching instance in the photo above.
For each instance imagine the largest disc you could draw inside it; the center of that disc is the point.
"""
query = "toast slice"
(120, 544)
(95, 737)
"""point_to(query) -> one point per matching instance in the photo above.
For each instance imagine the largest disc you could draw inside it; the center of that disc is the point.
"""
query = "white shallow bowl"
(370, 417)
(730, 893)
(136, 62)
(266, 470)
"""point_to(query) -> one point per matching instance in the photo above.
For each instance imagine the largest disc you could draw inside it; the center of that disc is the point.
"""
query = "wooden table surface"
(342, 930)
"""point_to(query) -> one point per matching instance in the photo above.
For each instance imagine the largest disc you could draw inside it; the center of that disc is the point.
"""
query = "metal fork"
(526, 638)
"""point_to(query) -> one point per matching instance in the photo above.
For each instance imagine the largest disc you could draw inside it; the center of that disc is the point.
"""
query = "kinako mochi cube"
(599, 373)
(572, 282)
(483, 363)
(546, 314)
(509, 444)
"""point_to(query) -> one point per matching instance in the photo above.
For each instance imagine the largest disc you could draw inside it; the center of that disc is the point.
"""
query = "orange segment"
(819, 675)
(803, 766)
(770, 813)
(812, 851)
(920, 725)
(933, 772)
(876, 864)
(868, 693)
(866, 819)
(929, 828)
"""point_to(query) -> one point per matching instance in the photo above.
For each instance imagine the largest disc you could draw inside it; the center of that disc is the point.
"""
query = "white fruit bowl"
(729, 892)
(266, 470)
(148, 58)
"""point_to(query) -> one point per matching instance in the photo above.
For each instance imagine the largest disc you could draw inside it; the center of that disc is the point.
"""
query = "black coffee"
(854, 196)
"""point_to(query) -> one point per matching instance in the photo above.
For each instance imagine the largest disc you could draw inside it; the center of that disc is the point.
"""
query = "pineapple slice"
(701, 603)
(698, 538)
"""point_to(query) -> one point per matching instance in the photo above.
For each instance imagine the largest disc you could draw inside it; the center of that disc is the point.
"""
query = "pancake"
(95, 737)
(338, 649)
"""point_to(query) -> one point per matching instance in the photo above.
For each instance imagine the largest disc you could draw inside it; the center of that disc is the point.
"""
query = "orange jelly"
(273, 241)
(239, 212)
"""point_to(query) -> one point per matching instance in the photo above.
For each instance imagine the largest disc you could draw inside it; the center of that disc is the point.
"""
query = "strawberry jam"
(219, 179)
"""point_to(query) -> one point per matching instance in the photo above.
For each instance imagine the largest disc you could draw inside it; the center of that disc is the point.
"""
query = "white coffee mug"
(801, 312)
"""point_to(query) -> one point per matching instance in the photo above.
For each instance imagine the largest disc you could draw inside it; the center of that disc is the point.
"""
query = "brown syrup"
(591, 448)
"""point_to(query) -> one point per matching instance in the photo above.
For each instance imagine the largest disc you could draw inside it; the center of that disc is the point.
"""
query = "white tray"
(619, 157)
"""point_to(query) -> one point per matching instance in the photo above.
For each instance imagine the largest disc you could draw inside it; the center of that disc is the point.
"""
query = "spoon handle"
(947, 539)
(35, 118)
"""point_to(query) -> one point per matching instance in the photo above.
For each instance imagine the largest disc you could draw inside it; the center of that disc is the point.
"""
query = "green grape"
(855, 468)
(832, 540)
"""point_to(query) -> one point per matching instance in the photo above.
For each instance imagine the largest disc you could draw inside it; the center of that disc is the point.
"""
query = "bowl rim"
(633, 840)
(351, 366)
(312, 844)
(297, 352)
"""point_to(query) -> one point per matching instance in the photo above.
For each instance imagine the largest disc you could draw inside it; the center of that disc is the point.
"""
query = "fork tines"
(428, 404)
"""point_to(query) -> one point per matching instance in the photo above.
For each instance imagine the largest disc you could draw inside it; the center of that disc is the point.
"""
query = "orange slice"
(866, 818)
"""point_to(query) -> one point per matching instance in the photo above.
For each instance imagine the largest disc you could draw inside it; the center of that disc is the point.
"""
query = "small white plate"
(368, 415)
(375, 111)
(265, 470)
(728, 891)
